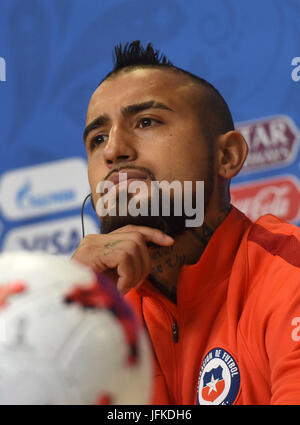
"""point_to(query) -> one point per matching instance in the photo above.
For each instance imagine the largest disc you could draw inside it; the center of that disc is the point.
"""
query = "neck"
(187, 249)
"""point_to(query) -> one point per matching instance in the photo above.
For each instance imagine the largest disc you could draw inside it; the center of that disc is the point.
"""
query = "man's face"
(148, 120)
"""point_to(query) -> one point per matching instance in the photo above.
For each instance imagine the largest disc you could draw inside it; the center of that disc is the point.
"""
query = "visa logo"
(57, 237)
(58, 243)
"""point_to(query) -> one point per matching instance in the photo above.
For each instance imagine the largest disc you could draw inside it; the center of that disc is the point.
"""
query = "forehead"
(139, 85)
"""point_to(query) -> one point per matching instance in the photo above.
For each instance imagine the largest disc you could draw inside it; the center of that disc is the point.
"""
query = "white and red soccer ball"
(67, 336)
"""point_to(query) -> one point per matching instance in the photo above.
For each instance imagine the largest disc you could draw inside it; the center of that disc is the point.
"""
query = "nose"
(119, 147)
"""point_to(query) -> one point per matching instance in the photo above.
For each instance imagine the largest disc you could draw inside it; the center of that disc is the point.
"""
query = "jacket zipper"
(175, 331)
(175, 337)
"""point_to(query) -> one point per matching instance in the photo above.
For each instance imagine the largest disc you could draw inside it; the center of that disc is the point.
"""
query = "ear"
(232, 151)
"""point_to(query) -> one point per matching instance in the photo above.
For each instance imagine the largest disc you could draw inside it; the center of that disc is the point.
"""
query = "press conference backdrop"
(53, 53)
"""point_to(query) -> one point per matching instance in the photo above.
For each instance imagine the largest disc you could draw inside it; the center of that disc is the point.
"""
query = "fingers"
(135, 267)
(149, 233)
(131, 259)
(123, 252)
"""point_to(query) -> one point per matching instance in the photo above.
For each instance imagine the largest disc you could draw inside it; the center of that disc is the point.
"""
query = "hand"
(122, 253)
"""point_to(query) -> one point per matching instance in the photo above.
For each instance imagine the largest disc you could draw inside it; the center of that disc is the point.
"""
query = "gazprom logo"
(26, 198)
(43, 189)
(2, 69)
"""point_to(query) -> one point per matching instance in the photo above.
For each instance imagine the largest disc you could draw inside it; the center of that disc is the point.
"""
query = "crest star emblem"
(219, 378)
(212, 384)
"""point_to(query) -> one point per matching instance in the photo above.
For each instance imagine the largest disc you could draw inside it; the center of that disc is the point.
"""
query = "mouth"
(125, 177)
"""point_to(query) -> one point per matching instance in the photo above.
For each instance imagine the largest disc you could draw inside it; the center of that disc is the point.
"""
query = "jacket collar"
(216, 262)
(213, 266)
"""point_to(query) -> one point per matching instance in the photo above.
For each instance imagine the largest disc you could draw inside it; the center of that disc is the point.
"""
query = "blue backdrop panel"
(53, 54)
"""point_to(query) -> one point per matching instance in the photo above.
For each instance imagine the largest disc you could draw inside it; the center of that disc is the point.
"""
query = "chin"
(172, 226)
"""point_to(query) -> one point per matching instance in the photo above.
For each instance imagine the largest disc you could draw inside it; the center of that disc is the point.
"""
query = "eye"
(146, 122)
(97, 140)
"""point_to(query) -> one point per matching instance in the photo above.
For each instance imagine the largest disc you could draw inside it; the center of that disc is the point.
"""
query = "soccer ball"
(68, 337)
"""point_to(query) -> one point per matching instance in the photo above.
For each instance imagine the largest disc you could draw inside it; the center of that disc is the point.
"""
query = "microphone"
(82, 207)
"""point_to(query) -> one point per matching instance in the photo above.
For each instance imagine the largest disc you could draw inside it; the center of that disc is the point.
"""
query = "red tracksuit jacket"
(234, 335)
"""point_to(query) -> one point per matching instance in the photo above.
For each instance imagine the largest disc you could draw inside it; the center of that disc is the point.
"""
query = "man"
(220, 301)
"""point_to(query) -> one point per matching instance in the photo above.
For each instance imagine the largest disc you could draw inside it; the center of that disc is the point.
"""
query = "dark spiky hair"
(215, 116)
(135, 54)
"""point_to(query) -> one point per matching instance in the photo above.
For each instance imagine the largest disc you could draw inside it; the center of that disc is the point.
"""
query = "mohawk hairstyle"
(214, 114)
(135, 54)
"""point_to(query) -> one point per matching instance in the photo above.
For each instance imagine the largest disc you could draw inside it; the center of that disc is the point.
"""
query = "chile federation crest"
(219, 378)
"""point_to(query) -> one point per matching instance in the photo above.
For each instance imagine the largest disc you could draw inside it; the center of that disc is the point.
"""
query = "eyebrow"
(96, 123)
(128, 110)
